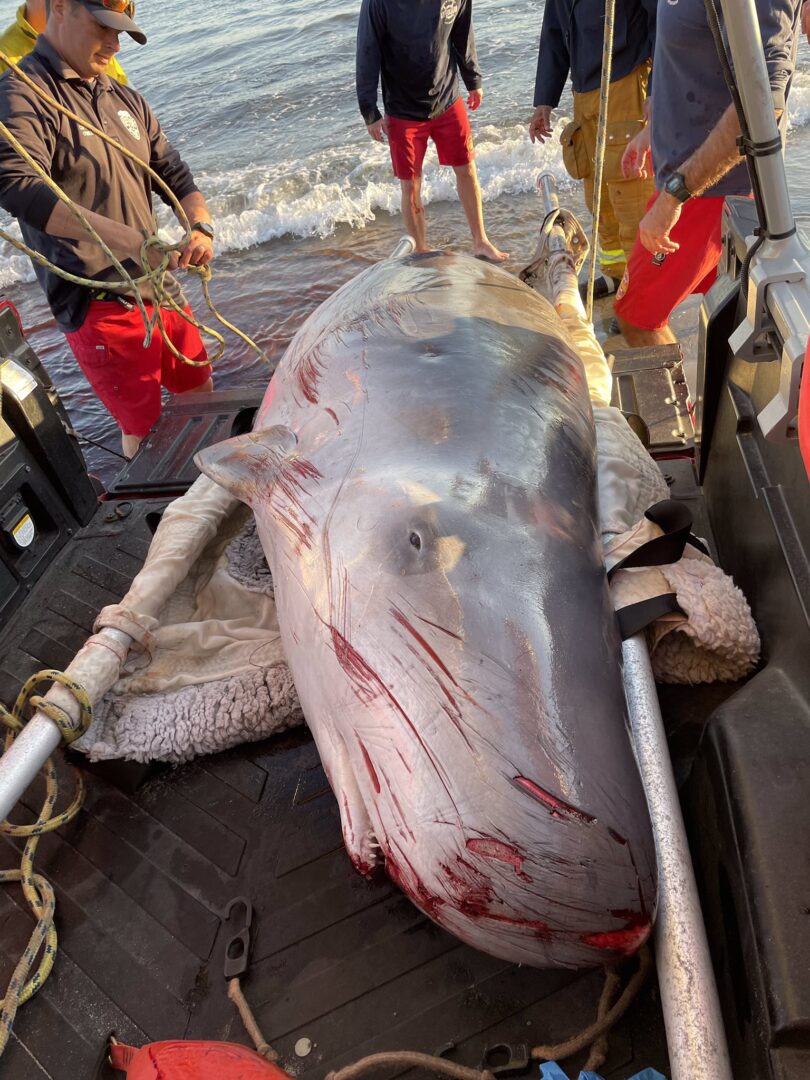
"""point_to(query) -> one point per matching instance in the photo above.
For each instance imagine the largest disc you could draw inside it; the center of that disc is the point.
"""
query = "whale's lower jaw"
(524, 939)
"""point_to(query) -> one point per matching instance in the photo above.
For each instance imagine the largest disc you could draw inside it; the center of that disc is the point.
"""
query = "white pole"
(696, 1038)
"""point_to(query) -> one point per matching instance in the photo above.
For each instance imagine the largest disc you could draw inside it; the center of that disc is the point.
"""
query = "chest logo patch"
(130, 123)
(448, 10)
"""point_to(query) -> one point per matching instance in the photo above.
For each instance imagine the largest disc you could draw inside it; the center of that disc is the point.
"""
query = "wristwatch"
(205, 227)
(676, 187)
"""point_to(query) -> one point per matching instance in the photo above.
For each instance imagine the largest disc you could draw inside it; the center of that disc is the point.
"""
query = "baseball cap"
(117, 14)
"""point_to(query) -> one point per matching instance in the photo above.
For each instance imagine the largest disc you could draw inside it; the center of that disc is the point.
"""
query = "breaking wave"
(350, 185)
(343, 186)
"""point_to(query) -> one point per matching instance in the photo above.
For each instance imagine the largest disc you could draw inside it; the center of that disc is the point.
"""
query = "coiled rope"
(154, 277)
(38, 893)
(601, 143)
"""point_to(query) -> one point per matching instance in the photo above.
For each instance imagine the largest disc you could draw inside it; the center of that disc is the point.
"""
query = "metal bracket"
(560, 231)
(237, 949)
(504, 1059)
(575, 242)
(777, 306)
(768, 267)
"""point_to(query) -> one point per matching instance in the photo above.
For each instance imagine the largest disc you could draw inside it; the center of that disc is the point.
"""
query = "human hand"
(636, 156)
(655, 226)
(379, 129)
(540, 124)
(475, 97)
(155, 253)
(199, 251)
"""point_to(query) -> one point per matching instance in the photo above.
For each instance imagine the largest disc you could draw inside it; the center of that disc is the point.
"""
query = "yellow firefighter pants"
(623, 201)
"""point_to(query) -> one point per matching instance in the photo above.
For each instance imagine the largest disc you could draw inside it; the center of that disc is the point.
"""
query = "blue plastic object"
(552, 1071)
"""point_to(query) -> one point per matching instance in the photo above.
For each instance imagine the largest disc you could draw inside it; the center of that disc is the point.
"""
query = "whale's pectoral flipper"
(248, 465)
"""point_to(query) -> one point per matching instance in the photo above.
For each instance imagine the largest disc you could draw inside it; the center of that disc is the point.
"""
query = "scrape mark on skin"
(557, 806)
(308, 373)
(442, 629)
(372, 772)
(472, 892)
(402, 620)
(286, 498)
(615, 836)
(364, 679)
(542, 930)
(334, 416)
(490, 848)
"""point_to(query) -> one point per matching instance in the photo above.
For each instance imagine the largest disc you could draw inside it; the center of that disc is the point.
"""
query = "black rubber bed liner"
(143, 876)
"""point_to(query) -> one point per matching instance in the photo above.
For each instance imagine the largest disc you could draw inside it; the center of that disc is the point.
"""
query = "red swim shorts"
(127, 377)
(649, 293)
(408, 139)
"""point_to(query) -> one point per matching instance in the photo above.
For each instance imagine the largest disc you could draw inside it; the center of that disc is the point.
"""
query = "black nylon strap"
(636, 617)
(759, 149)
(675, 519)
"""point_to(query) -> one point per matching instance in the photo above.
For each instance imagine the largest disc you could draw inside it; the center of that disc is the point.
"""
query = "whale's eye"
(416, 540)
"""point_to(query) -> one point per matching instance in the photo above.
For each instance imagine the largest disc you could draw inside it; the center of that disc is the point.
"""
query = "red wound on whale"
(372, 772)
(557, 806)
(628, 940)
(490, 848)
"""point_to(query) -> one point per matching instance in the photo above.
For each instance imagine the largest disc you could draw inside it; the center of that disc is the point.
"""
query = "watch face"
(205, 229)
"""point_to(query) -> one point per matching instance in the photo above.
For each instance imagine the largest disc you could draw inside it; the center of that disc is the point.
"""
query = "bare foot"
(489, 252)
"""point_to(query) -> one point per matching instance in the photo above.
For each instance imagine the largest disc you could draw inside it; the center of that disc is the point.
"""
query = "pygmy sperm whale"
(422, 472)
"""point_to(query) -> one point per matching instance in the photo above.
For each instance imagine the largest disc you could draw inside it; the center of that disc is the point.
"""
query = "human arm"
(806, 19)
(716, 156)
(367, 67)
(462, 38)
(719, 152)
(553, 60)
(636, 157)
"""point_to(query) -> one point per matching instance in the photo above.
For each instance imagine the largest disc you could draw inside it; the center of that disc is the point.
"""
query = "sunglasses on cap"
(121, 7)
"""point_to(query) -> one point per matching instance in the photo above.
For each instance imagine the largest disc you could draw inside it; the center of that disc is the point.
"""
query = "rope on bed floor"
(38, 893)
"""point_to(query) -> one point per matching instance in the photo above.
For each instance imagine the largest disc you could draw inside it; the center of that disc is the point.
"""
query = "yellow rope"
(154, 277)
(601, 143)
(38, 893)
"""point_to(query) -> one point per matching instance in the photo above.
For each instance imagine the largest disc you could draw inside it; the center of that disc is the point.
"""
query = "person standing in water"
(418, 48)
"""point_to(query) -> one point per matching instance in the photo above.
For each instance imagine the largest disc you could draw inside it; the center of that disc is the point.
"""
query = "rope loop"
(38, 893)
(152, 278)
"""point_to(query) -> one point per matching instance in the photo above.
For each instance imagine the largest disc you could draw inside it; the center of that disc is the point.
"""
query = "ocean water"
(259, 98)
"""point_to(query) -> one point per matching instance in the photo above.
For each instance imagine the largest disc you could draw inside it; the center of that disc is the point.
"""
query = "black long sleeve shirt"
(418, 48)
(571, 40)
(93, 174)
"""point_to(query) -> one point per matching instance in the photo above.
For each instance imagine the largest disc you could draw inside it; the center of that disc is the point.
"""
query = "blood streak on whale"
(557, 806)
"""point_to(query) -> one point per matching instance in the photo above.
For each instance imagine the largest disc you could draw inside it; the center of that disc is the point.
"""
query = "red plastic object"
(8, 304)
(804, 412)
(193, 1061)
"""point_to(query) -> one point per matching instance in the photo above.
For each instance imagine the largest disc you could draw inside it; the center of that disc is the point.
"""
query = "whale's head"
(471, 717)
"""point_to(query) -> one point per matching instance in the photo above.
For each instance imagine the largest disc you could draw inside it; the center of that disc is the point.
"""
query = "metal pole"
(695, 1035)
(97, 668)
(745, 42)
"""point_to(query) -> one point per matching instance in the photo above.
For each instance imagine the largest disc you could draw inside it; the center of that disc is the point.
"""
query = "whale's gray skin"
(422, 472)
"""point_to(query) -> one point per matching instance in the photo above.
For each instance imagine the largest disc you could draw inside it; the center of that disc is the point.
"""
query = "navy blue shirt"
(690, 92)
(571, 40)
(418, 48)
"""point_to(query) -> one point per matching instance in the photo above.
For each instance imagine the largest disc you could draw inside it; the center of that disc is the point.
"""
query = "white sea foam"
(343, 186)
(799, 99)
(350, 185)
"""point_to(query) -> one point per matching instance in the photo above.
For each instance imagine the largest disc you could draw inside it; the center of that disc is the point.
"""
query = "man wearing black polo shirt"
(105, 332)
